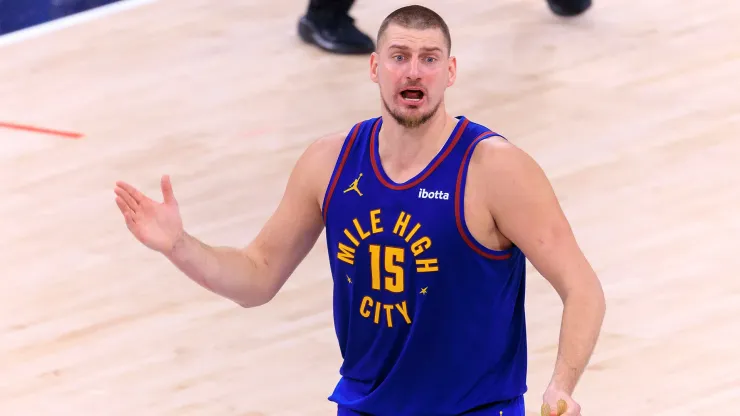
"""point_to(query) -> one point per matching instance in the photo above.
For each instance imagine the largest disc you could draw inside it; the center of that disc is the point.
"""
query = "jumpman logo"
(354, 187)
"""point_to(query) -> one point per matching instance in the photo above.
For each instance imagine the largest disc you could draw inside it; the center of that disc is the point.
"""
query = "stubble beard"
(411, 122)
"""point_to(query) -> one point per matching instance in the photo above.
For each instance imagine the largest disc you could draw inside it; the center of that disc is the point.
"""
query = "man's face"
(413, 70)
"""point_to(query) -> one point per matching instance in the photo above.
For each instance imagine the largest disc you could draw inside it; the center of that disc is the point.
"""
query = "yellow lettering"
(346, 254)
(420, 245)
(394, 283)
(387, 264)
(388, 309)
(401, 223)
(368, 304)
(374, 221)
(351, 237)
(363, 234)
(402, 308)
(426, 265)
(375, 266)
(366, 301)
(413, 231)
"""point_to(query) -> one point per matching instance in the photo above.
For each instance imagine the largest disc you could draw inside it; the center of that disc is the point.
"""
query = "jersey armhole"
(338, 166)
(462, 226)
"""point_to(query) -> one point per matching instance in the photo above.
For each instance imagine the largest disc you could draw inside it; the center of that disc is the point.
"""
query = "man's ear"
(374, 67)
(452, 71)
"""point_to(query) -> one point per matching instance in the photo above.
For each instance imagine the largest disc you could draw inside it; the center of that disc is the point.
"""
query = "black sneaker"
(568, 7)
(338, 35)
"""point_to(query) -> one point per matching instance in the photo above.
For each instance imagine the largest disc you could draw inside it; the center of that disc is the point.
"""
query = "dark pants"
(324, 10)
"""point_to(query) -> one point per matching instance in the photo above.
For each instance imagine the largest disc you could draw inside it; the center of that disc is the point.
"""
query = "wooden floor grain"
(632, 110)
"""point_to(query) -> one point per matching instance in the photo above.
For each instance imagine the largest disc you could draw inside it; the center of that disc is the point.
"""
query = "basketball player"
(428, 221)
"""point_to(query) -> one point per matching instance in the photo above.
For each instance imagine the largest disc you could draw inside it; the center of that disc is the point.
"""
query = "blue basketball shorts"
(513, 407)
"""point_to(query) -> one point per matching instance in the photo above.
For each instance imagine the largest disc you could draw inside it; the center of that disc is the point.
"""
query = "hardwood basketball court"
(632, 110)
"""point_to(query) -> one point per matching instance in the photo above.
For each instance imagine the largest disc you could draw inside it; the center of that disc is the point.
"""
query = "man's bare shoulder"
(325, 149)
(499, 160)
(518, 195)
(510, 179)
(497, 153)
(317, 162)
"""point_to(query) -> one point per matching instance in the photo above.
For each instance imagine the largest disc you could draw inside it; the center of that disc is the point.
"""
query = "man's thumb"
(167, 193)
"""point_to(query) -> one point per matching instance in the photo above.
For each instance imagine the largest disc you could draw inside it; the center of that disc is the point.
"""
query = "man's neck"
(404, 152)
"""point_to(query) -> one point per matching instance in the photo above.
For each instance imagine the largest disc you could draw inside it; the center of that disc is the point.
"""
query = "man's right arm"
(252, 276)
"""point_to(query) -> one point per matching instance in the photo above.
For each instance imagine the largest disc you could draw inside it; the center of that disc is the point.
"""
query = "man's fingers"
(133, 192)
(130, 221)
(122, 206)
(167, 193)
(128, 214)
(126, 198)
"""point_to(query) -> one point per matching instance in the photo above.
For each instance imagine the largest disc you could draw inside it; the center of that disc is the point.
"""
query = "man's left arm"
(527, 212)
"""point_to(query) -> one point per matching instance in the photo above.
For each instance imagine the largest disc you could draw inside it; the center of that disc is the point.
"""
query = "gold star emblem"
(424, 291)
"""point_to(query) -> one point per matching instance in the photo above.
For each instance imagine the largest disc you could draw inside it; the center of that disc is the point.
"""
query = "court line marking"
(42, 130)
(71, 20)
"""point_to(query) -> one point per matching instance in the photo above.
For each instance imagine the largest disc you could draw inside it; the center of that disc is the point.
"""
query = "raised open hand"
(156, 225)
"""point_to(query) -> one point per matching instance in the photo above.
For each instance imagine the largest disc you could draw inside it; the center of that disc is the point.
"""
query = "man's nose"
(413, 69)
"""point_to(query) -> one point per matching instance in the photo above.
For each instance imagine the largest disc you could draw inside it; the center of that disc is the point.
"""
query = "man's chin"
(411, 121)
(411, 115)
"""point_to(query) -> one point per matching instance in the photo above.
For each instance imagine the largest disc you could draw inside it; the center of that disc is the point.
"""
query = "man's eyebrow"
(425, 49)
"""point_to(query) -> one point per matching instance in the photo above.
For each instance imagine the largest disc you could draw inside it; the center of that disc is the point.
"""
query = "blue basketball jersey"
(429, 321)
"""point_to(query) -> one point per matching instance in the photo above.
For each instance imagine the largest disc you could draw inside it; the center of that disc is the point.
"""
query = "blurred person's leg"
(568, 7)
(327, 24)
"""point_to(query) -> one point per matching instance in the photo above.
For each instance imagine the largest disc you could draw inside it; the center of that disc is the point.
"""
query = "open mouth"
(412, 95)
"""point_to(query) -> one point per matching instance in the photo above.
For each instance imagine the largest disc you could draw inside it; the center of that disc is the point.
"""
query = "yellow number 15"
(392, 256)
